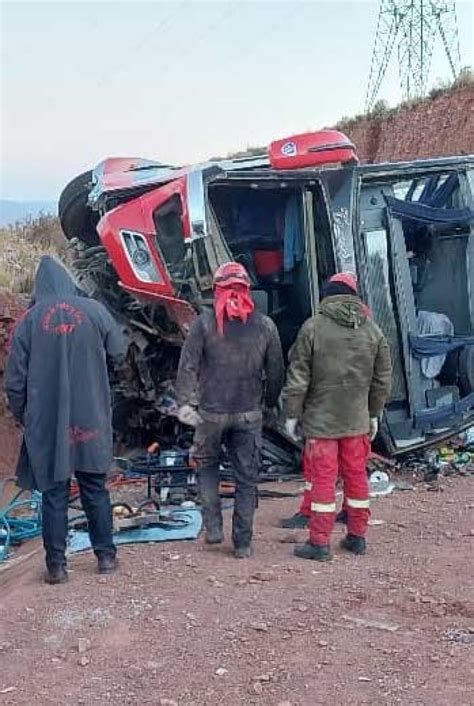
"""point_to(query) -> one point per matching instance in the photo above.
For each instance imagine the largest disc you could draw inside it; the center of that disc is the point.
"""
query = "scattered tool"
(171, 525)
(169, 472)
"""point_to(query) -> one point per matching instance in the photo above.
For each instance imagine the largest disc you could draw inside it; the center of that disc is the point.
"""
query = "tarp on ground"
(78, 541)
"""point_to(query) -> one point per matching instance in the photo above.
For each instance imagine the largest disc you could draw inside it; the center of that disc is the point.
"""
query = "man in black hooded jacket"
(57, 386)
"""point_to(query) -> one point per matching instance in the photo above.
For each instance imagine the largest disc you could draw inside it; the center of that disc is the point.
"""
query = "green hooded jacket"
(340, 372)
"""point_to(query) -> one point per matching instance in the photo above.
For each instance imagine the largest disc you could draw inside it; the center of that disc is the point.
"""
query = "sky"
(179, 81)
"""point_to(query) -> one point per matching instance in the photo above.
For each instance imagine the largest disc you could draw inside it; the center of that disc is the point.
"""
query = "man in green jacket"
(337, 385)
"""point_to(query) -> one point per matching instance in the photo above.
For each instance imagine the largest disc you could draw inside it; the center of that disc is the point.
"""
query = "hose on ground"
(16, 528)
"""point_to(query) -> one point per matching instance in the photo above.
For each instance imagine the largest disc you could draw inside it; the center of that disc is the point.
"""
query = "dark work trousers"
(242, 435)
(96, 504)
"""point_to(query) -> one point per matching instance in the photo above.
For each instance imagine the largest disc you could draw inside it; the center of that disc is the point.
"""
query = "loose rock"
(262, 576)
(259, 627)
(83, 644)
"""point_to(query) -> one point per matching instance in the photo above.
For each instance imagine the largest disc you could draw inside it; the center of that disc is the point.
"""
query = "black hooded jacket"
(57, 384)
(228, 374)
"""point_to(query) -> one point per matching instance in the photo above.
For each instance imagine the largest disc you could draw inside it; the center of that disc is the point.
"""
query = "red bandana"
(231, 303)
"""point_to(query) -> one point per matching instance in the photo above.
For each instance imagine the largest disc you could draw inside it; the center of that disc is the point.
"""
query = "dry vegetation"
(382, 111)
(22, 245)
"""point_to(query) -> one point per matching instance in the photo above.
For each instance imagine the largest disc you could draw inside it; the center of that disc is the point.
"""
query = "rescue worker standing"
(338, 382)
(57, 386)
(231, 357)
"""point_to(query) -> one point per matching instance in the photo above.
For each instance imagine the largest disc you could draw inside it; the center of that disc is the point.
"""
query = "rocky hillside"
(439, 126)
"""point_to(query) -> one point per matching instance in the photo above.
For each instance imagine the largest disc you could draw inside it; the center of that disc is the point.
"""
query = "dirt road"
(9, 441)
(183, 625)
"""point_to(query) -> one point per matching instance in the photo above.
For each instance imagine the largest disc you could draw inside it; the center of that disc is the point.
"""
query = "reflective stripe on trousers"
(323, 507)
(359, 504)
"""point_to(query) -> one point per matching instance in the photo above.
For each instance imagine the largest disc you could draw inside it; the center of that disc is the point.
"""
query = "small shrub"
(380, 111)
(465, 78)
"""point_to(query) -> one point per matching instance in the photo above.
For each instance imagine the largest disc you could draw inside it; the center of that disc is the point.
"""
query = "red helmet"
(231, 273)
(346, 278)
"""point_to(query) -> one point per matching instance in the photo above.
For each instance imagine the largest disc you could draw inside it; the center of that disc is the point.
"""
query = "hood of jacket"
(52, 280)
(345, 310)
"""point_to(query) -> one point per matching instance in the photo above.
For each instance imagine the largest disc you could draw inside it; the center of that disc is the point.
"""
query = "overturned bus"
(147, 237)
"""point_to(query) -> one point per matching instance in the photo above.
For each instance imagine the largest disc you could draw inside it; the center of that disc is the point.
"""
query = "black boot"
(243, 552)
(107, 564)
(296, 521)
(354, 544)
(342, 517)
(316, 552)
(56, 575)
(214, 536)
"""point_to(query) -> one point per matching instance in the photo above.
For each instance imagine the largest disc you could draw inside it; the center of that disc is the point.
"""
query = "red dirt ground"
(11, 308)
(179, 624)
(9, 443)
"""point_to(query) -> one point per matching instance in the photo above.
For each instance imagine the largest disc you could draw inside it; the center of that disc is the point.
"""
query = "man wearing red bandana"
(231, 364)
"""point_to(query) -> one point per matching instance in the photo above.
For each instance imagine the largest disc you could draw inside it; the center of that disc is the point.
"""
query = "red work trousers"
(305, 505)
(327, 459)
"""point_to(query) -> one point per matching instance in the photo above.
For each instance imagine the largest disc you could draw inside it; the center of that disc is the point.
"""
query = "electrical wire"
(112, 72)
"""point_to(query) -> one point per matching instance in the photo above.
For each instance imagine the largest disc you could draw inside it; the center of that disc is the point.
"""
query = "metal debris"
(380, 484)
(460, 635)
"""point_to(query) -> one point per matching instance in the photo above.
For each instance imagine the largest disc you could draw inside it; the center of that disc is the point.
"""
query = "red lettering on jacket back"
(74, 317)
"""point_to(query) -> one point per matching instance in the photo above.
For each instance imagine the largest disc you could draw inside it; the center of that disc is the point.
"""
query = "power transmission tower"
(414, 26)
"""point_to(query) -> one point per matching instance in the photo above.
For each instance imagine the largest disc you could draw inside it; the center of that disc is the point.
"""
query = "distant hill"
(12, 211)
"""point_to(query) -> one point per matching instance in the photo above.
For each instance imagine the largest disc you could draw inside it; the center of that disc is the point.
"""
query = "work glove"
(290, 428)
(373, 428)
(189, 416)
